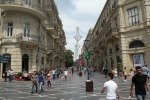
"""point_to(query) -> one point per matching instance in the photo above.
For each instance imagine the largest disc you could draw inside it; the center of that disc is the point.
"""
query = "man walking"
(34, 80)
(111, 87)
(139, 80)
(105, 71)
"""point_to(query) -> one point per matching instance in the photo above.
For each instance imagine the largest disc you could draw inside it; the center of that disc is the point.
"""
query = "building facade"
(32, 35)
(121, 35)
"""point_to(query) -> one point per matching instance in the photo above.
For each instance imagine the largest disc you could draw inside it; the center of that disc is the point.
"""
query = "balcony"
(56, 22)
(32, 40)
(112, 35)
(49, 49)
(56, 36)
(20, 5)
(51, 28)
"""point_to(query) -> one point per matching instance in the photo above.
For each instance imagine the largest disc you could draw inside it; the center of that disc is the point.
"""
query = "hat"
(48, 74)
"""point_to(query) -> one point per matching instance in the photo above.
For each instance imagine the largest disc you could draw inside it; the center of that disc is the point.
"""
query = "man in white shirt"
(111, 87)
(65, 74)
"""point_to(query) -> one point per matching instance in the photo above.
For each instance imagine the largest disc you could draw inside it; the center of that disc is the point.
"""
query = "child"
(70, 75)
(48, 80)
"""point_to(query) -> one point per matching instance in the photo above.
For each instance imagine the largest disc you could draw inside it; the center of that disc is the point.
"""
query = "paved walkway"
(62, 90)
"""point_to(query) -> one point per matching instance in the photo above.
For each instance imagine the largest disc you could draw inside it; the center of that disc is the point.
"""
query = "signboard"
(138, 60)
(5, 58)
(87, 54)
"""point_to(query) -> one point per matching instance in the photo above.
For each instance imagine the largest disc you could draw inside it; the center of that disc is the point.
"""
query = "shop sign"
(5, 58)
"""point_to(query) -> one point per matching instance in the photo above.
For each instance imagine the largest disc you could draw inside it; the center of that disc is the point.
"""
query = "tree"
(69, 58)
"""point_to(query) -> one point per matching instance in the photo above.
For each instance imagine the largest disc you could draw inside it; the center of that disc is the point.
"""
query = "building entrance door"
(6, 63)
(25, 62)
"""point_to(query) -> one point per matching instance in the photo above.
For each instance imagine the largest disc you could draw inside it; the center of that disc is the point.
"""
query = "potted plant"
(20, 75)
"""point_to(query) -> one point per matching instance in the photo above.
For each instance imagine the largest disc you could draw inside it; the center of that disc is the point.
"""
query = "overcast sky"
(78, 13)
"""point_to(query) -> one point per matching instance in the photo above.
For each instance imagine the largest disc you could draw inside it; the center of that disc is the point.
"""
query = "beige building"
(32, 35)
(122, 35)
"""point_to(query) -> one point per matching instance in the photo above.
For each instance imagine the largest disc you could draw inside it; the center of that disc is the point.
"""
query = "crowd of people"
(8, 74)
(139, 80)
(38, 78)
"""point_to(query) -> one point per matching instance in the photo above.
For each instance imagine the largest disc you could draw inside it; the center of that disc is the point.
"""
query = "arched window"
(136, 44)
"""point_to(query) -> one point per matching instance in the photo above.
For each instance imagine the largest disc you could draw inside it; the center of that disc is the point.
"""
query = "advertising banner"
(138, 60)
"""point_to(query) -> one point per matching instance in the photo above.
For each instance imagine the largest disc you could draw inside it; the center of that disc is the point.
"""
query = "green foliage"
(69, 58)
(20, 74)
(119, 67)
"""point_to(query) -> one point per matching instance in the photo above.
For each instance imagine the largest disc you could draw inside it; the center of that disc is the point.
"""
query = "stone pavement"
(73, 89)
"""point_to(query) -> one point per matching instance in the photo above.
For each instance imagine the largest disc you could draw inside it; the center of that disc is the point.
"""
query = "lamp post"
(89, 83)
(86, 43)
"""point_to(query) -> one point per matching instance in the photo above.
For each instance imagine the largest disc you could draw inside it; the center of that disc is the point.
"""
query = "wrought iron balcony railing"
(30, 38)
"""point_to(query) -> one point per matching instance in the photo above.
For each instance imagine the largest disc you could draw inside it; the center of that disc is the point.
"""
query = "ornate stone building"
(122, 35)
(32, 35)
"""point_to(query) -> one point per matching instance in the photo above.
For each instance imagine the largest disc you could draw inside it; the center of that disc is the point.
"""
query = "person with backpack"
(34, 82)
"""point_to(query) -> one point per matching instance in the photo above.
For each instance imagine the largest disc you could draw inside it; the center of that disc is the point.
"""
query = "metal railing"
(108, 33)
(31, 38)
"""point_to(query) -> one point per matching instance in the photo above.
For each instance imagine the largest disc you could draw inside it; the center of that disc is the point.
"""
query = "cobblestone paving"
(73, 89)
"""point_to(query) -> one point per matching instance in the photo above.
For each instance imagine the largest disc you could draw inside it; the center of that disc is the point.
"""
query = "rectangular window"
(133, 16)
(10, 29)
(27, 30)
(27, 2)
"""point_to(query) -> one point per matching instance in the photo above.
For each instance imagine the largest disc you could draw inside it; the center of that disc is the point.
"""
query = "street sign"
(5, 58)
(87, 54)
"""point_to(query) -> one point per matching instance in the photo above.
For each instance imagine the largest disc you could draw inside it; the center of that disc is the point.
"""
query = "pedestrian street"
(73, 89)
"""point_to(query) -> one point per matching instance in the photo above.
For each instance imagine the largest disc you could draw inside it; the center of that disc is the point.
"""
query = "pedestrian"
(140, 82)
(145, 71)
(72, 70)
(34, 82)
(84, 70)
(105, 71)
(40, 82)
(70, 76)
(5, 76)
(48, 80)
(125, 74)
(11, 74)
(111, 87)
(65, 74)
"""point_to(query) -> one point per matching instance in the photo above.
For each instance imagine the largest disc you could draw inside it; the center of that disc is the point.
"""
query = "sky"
(78, 13)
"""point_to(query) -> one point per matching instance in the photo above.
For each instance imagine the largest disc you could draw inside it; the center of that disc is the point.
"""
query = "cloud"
(88, 7)
(78, 13)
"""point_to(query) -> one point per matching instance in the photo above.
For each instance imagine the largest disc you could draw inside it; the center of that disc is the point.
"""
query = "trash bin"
(89, 86)
(53, 76)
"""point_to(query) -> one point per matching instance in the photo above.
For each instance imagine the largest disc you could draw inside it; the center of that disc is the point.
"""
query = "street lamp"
(86, 43)
(89, 83)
